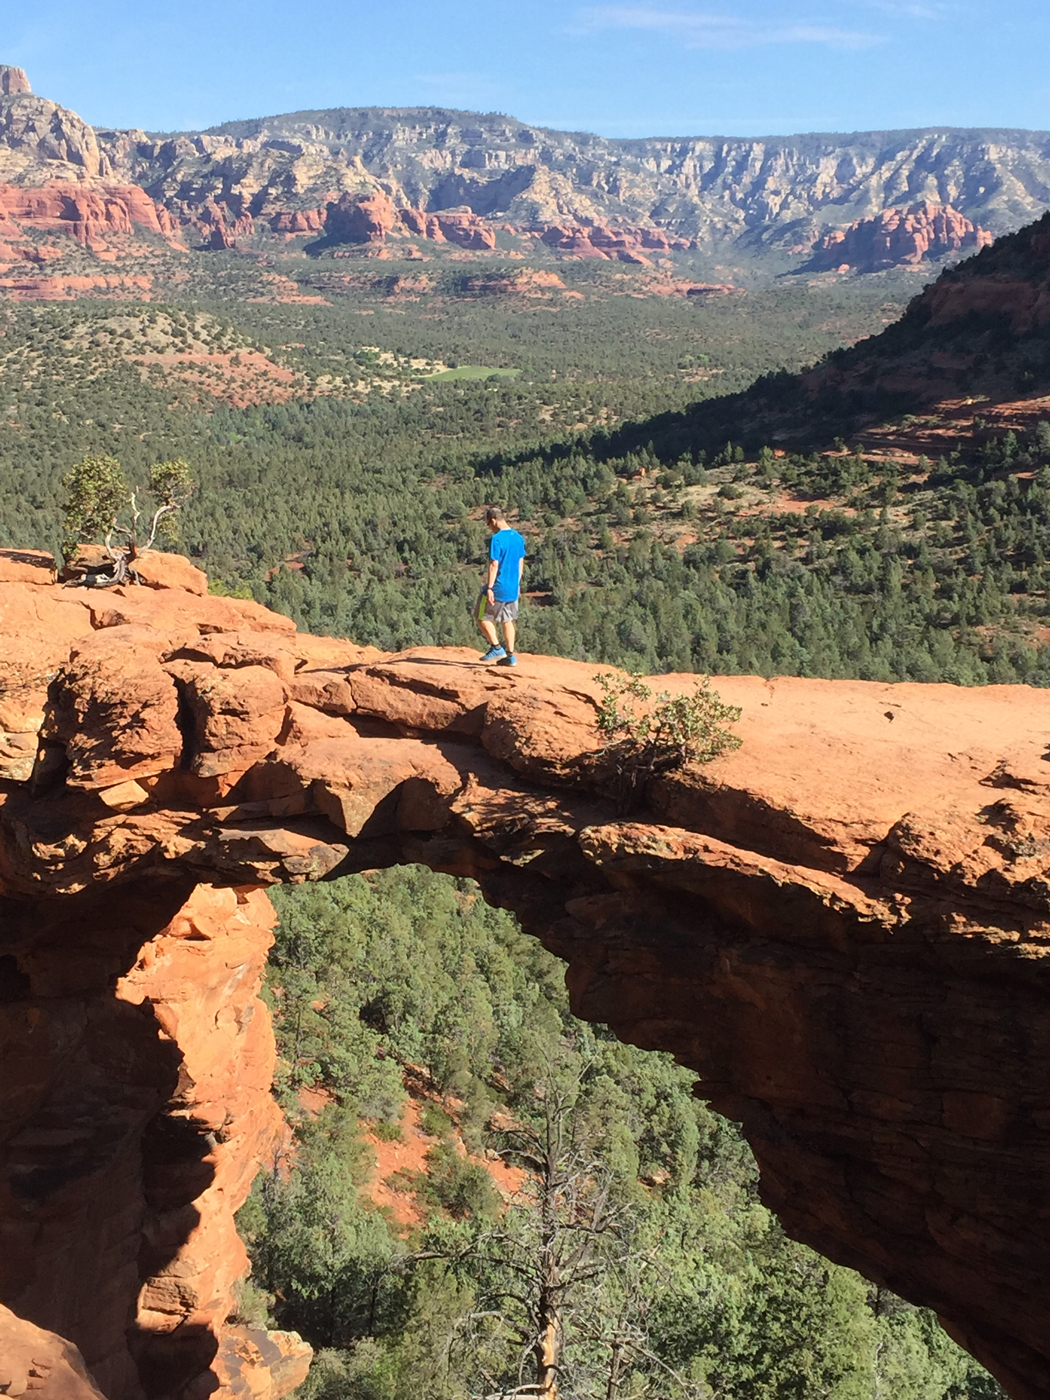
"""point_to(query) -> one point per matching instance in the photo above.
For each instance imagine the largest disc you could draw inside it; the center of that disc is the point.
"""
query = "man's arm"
(493, 571)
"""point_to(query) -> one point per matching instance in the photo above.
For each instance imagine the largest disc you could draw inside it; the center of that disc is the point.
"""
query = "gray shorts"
(497, 612)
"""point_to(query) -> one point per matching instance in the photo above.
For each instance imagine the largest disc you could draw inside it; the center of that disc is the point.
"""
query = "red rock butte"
(900, 238)
(13, 81)
(843, 927)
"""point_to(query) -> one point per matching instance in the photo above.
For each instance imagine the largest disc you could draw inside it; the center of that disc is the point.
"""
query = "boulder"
(160, 570)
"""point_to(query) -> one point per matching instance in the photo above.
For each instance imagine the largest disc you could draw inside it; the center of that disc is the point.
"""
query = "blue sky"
(730, 67)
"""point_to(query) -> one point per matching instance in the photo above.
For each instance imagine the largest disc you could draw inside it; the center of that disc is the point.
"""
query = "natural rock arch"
(843, 928)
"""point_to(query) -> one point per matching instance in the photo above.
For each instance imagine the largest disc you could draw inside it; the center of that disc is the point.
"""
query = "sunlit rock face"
(843, 927)
(900, 237)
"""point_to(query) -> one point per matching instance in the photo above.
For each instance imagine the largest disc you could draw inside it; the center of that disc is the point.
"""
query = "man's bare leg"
(510, 633)
(488, 631)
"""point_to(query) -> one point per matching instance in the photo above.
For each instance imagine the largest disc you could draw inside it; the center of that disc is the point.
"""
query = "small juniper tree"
(102, 506)
(643, 739)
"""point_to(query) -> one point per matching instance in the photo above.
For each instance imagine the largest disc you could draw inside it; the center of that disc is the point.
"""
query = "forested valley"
(343, 461)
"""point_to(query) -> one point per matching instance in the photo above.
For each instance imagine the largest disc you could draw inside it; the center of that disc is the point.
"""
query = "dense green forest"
(358, 513)
(674, 1281)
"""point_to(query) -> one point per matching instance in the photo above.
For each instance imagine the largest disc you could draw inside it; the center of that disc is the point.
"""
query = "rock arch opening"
(842, 928)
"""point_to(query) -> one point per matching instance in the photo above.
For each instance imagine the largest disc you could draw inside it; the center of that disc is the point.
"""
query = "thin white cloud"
(910, 9)
(718, 31)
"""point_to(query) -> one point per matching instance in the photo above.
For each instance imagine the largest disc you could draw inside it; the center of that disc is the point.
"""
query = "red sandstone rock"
(119, 288)
(360, 218)
(38, 1362)
(899, 237)
(27, 566)
(573, 241)
(415, 220)
(86, 213)
(237, 715)
(114, 607)
(220, 226)
(372, 219)
(601, 241)
(298, 221)
(157, 569)
(843, 927)
(253, 1363)
(200, 978)
(465, 229)
(117, 717)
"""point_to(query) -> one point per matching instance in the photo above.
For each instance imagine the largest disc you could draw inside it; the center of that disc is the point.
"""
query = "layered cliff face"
(844, 928)
(464, 178)
(87, 214)
(778, 188)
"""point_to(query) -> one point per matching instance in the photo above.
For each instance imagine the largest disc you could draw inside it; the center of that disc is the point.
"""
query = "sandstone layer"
(87, 214)
(844, 927)
(32, 1359)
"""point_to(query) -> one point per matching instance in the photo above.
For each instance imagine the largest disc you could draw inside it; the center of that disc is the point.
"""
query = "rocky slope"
(466, 178)
(39, 140)
(843, 927)
(970, 355)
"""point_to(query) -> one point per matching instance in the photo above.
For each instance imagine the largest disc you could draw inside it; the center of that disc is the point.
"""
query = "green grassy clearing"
(475, 372)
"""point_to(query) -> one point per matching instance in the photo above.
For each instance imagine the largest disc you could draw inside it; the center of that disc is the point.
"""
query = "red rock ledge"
(843, 927)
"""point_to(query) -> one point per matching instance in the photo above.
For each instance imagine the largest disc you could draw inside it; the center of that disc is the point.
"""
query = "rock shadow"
(97, 1177)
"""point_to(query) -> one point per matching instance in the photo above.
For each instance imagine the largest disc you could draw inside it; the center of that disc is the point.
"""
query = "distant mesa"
(630, 245)
(524, 282)
(899, 238)
(391, 183)
(13, 80)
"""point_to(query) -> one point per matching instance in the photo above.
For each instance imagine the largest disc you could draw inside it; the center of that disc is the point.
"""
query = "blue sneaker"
(494, 654)
(509, 660)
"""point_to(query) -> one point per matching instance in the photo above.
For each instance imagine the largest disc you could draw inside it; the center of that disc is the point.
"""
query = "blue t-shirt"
(508, 549)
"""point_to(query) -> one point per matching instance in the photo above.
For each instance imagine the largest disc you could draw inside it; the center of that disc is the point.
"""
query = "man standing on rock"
(498, 604)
